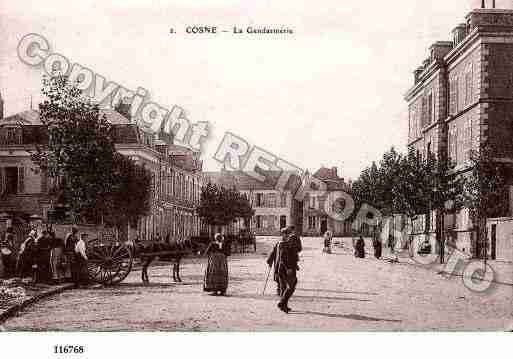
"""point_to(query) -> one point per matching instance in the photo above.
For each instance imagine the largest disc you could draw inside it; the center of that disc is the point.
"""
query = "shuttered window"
(2, 181)
(21, 179)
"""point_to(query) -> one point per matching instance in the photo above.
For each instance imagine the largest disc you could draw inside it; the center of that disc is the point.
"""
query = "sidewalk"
(16, 294)
(503, 271)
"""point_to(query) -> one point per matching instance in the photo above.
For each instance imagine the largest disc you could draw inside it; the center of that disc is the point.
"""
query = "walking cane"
(267, 280)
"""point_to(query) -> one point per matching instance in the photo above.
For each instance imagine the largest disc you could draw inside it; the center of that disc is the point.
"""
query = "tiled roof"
(31, 117)
(332, 180)
(244, 181)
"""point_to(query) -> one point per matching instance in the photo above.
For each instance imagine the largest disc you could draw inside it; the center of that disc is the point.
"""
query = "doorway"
(324, 226)
(283, 222)
(493, 249)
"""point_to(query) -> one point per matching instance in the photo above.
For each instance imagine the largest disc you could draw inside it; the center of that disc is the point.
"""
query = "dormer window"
(10, 136)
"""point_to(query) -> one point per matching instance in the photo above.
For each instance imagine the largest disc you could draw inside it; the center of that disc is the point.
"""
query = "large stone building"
(462, 99)
(25, 191)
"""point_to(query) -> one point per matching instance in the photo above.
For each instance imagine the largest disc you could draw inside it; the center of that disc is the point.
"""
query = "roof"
(332, 180)
(244, 181)
(31, 118)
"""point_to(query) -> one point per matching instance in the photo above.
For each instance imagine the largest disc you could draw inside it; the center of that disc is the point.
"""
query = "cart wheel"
(108, 262)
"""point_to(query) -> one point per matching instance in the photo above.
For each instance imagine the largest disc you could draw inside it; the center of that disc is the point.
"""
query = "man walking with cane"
(286, 258)
(272, 260)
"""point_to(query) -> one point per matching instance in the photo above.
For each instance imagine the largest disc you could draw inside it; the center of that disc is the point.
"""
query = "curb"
(9, 312)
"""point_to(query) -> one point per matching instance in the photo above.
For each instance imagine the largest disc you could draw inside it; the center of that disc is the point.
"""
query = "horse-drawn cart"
(111, 261)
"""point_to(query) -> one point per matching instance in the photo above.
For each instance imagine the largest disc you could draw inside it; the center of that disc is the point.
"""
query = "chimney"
(439, 49)
(417, 73)
(459, 33)
(1, 107)
(483, 4)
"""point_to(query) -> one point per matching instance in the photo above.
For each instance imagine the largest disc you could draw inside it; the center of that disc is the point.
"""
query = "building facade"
(274, 208)
(25, 191)
(462, 100)
(316, 221)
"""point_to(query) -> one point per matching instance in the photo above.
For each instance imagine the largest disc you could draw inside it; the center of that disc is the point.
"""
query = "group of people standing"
(46, 258)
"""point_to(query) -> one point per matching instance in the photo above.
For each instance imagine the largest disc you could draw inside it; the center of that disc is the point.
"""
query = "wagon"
(111, 261)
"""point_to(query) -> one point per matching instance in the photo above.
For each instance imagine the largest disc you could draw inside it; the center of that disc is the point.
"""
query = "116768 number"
(68, 349)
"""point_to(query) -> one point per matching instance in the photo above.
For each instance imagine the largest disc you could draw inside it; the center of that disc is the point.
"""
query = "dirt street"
(336, 292)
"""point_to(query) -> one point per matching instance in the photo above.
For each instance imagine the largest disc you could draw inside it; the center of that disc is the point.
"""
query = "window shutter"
(44, 181)
(21, 179)
(2, 181)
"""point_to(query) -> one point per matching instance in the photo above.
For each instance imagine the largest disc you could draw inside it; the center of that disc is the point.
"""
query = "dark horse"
(166, 251)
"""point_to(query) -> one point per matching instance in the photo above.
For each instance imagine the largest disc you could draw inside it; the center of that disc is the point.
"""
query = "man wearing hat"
(272, 260)
(7, 252)
(70, 240)
(26, 255)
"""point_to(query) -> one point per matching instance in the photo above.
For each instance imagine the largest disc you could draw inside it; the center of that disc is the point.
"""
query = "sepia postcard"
(255, 166)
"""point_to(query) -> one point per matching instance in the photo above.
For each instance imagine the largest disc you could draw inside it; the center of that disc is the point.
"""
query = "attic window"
(12, 136)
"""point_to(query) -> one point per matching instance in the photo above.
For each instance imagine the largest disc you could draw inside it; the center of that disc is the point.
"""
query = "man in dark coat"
(288, 257)
(359, 249)
(7, 255)
(272, 260)
(376, 243)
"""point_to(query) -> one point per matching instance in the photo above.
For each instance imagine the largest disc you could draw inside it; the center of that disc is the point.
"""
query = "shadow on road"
(333, 291)
(301, 298)
(345, 316)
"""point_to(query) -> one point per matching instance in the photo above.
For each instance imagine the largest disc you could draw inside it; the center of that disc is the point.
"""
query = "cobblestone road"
(336, 292)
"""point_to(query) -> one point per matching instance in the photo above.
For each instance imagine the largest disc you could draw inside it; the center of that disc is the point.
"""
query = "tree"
(80, 149)
(447, 193)
(130, 197)
(486, 193)
(220, 206)
(412, 190)
(376, 184)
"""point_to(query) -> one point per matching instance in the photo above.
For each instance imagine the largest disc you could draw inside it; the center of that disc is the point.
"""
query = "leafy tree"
(80, 149)
(94, 181)
(130, 197)
(220, 206)
(411, 193)
(486, 192)
(447, 193)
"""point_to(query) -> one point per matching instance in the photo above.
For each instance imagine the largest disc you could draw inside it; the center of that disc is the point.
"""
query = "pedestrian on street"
(70, 241)
(327, 242)
(7, 254)
(57, 259)
(79, 266)
(272, 260)
(42, 257)
(376, 244)
(359, 249)
(216, 273)
(296, 243)
(288, 257)
(26, 256)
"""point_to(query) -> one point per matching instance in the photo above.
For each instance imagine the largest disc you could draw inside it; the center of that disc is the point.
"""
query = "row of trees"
(415, 185)
(94, 181)
(220, 206)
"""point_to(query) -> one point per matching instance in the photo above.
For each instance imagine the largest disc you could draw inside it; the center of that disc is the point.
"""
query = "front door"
(493, 253)
(324, 226)
(283, 222)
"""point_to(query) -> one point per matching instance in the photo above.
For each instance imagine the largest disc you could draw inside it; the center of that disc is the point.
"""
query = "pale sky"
(330, 94)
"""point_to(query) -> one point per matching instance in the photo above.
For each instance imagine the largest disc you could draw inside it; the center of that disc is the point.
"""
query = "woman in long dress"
(57, 260)
(327, 242)
(360, 248)
(216, 274)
